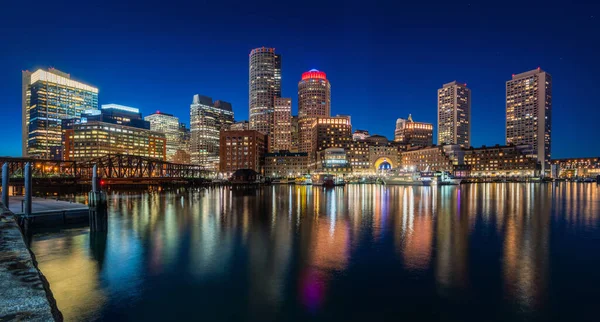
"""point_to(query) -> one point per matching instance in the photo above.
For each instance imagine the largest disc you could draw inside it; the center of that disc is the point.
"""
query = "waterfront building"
(314, 100)
(116, 130)
(295, 134)
(207, 120)
(373, 154)
(359, 135)
(359, 157)
(454, 114)
(330, 132)
(577, 167)
(529, 114)
(48, 97)
(434, 158)
(501, 161)
(282, 127)
(242, 150)
(333, 160)
(240, 126)
(411, 133)
(282, 164)
(170, 126)
(264, 86)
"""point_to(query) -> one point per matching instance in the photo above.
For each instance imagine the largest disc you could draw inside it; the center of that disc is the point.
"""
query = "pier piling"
(5, 178)
(97, 205)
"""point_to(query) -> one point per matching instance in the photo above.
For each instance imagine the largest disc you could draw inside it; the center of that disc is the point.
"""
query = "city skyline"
(355, 91)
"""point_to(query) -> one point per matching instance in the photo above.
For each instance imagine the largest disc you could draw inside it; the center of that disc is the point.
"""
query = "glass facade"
(207, 120)
(168, 125)
(97, 139)
(48, 98)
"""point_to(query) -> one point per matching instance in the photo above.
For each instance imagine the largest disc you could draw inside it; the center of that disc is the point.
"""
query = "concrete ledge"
(24, 291)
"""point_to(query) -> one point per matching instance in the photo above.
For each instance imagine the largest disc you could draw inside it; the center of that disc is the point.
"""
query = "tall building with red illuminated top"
(264, 86)
(314, 100)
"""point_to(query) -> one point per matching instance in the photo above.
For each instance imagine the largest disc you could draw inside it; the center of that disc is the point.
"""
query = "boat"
(304, 180)
(279, 181)
(405, 178)
(326, 180)
(440, 178)
(339, 181)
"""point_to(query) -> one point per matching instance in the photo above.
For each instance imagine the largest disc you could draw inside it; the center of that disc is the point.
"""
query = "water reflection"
(285, 252)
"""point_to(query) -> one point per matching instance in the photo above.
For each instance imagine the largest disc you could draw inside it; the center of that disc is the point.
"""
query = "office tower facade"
(282, 127)
(411, 133)
(207, 120)
(169, 125)
(264, 86)
(454, 114)
(295, 134)
(115, 129)
(314, 100)
(48, 97)
(242, 150)
(529, 114)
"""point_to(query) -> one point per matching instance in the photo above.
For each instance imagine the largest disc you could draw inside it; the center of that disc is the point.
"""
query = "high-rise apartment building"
(264, 86)
(454, 114)
(411, 133)
(169, 125)
(48, 97)
(529, 114)
(282, 127)
(314, 100)
(207, 120)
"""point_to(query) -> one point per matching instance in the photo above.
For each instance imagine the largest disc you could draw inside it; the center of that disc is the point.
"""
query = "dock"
(24, 292)
(50, 210)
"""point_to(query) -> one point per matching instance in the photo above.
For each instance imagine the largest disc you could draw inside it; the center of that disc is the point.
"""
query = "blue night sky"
(384, 59)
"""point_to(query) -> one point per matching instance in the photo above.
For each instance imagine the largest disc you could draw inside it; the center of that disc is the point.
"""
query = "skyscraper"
(314, 100)
(454, 114)
(411, 133)
(207, 119)
(48, 98)
(264, 86)
(169, 125)
(282, 127)
(529, 114)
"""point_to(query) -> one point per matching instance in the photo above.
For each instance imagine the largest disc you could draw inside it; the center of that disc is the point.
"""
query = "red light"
(101, 182)
(157, 112)
(313, 74)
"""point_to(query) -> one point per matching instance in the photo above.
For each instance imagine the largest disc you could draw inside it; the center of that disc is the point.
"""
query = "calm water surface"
(480, 252)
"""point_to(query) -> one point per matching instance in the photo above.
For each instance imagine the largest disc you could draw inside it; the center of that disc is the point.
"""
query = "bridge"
(112, 169)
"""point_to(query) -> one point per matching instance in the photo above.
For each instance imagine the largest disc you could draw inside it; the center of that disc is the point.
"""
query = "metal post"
(5, 184)
(95, 179)
(28, 192)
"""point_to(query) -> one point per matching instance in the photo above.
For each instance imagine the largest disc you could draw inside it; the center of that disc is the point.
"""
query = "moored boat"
(440, 178)
(405, 178)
